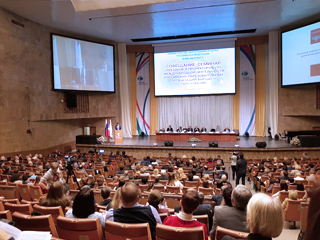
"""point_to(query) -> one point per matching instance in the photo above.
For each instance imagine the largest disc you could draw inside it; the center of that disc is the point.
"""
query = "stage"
(140, 147)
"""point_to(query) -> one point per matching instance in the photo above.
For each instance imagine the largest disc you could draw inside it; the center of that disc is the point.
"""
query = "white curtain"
(204, 111)
(272, 82)
(124, 90)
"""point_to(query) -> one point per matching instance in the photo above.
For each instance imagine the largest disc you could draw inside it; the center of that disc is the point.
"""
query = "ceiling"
(168, 19)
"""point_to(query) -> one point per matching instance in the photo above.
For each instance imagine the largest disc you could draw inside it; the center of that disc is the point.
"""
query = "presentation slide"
(301, 55)
(199, 72)
(82, 65)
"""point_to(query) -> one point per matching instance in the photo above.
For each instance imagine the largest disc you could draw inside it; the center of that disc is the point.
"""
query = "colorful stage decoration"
(143, 94)
(247, 90)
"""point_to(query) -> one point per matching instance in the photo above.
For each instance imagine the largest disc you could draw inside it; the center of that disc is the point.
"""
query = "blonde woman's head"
(264, 215)
(293, 195)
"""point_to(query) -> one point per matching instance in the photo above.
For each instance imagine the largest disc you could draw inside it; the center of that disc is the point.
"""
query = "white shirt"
(102, 220)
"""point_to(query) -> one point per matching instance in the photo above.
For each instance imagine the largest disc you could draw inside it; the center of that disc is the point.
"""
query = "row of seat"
(90, 228)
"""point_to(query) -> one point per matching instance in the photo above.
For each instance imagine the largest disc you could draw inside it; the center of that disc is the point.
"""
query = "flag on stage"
(106, 129)
(110, 129)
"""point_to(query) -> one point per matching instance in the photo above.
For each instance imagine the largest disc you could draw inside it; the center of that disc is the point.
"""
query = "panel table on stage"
(206, 137)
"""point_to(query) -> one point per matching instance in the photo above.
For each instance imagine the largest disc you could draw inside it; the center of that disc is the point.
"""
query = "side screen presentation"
(82, 65)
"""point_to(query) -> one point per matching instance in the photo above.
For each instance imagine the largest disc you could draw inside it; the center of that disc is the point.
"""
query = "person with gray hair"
(233, 218)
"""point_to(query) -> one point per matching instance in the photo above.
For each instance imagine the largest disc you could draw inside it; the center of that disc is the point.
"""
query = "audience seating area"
(18, 200)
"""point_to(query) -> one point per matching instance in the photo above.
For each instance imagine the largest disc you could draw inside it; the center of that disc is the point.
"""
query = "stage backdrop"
(143, 94)
(247, 90)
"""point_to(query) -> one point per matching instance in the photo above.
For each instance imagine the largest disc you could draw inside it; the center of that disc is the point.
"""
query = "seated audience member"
(223, 181)
(88, 181)
(223, 171)
(206, 177)
(116, 201)
(293, 195)
(284, 176)
(312, 175)
(36, 183)
(189, 204)
(143, 172)
(105, 194)
(132, 212)
(233, 217)
(172, 181)
(297, 175)
(55, 197)
(100, 182)
(272, 183)
(82, 169)
(169, 129)
(205, 184)
(194, 173)
(144, 180)
(190, 177)
(283, 187)
(264, 218)
(25, 180)
(206, 171)
(66, 191)
(83, 206)
(15, 176)
(156, 173)
(163, 175)
(226, 197)
(218, 198)
(156, 200)
(120, 170)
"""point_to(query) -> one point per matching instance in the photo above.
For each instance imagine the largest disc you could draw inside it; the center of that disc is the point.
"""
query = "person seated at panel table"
(218, 128)
(169, 129)
(227, 130)
(196, 129)
(190, 129)
(203, 129)
(179, 129)
(162, 130)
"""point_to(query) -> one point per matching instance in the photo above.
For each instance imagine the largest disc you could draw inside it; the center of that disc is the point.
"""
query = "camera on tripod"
(70, 163)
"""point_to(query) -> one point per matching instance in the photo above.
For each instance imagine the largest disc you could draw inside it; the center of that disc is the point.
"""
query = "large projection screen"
(80, 65)
(195, 72)
(301, 55)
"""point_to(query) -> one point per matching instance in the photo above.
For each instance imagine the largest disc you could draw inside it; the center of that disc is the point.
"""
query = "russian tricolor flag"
(106, 129)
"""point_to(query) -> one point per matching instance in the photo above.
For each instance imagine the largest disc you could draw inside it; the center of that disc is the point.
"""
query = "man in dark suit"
(202, 209)
(203, 129)
(169, 129)
(117, 127)
(233, 218)
(223, 171)
(196, 129)
(190, 129)
(241, 169)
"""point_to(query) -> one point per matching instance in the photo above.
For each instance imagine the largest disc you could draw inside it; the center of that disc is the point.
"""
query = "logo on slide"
(140, 78)
(315, 36)
(244, 73)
